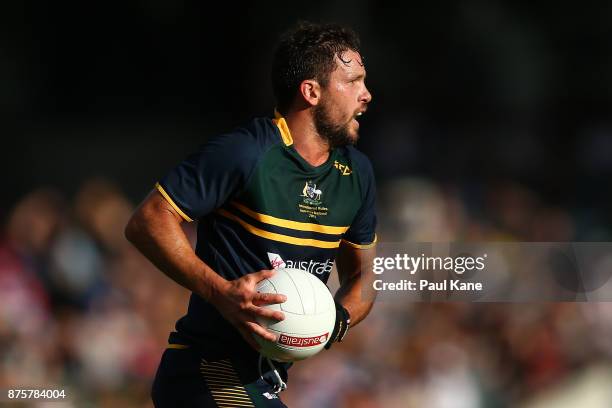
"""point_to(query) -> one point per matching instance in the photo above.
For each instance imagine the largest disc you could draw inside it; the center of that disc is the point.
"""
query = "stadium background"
(490, 121)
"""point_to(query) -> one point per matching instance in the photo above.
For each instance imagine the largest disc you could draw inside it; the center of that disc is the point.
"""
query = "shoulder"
(358, 162)
(239, 148)
(252, 137)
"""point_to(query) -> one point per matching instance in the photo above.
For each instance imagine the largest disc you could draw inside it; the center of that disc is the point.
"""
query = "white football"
(310, 315)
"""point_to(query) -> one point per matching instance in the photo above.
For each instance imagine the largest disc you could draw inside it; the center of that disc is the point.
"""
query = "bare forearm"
(156, 233)
(155, 229)
(355, 292)
(350, 296)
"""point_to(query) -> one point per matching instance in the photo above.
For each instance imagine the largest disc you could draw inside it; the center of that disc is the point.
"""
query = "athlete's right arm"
(155, 230)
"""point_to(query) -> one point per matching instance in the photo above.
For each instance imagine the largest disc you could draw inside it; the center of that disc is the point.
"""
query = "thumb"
(263, 274)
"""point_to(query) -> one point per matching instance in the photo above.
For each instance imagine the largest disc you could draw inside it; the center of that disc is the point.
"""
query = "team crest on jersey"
(311, 194)
(312, 204)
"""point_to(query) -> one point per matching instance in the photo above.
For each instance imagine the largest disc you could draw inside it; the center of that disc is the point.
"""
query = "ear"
(310, 91)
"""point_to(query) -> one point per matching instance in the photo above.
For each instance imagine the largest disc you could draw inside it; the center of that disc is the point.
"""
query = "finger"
(268, 313)
(261, 275)
(257, 329)
(268, 298)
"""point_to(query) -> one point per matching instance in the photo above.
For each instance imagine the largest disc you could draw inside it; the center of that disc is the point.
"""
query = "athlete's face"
(343, 99)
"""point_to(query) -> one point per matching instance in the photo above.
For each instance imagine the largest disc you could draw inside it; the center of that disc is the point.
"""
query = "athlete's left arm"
(355, 273)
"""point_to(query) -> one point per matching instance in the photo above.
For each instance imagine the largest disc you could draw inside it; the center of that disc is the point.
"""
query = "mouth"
(359, 113)
(357, 117)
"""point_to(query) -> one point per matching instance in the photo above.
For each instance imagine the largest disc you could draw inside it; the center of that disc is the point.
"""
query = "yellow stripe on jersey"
(177, 346)
(359, 246)
(279, 237)
(172, 203)
(281, 123)
(296, 225)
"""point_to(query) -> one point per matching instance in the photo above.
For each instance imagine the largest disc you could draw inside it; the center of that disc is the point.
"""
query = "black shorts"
(191, 376)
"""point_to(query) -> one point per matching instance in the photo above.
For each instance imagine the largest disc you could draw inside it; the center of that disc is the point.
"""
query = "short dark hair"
(307, 51)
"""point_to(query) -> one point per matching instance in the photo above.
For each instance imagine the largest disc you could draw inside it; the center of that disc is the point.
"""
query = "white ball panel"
(302, 325)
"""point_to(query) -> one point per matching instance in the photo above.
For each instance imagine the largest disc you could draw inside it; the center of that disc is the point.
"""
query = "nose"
(366, 96)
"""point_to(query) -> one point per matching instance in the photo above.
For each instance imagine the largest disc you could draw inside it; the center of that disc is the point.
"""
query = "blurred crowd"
(474, 95)
(468, 355)
(82, 310)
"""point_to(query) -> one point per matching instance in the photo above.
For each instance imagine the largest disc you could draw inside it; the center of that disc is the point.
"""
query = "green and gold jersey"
(260, 205)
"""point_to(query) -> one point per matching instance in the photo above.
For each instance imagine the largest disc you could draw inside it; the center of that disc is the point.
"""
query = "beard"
(335, 134)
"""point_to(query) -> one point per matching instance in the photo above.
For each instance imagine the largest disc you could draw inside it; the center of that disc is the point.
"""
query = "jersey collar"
(281, 123)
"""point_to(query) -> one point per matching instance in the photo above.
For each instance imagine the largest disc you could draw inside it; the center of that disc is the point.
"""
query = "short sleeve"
(362, 232)
(205, 180)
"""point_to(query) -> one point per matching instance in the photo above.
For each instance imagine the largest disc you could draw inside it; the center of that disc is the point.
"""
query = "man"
(288, 191)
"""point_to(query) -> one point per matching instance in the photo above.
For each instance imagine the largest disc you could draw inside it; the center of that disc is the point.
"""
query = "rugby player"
(289, 190)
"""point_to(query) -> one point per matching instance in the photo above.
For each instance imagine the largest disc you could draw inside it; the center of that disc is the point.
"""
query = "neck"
(306, 140)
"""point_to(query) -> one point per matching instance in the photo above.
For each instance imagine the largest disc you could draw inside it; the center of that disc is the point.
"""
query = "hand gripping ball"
(310, 315)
